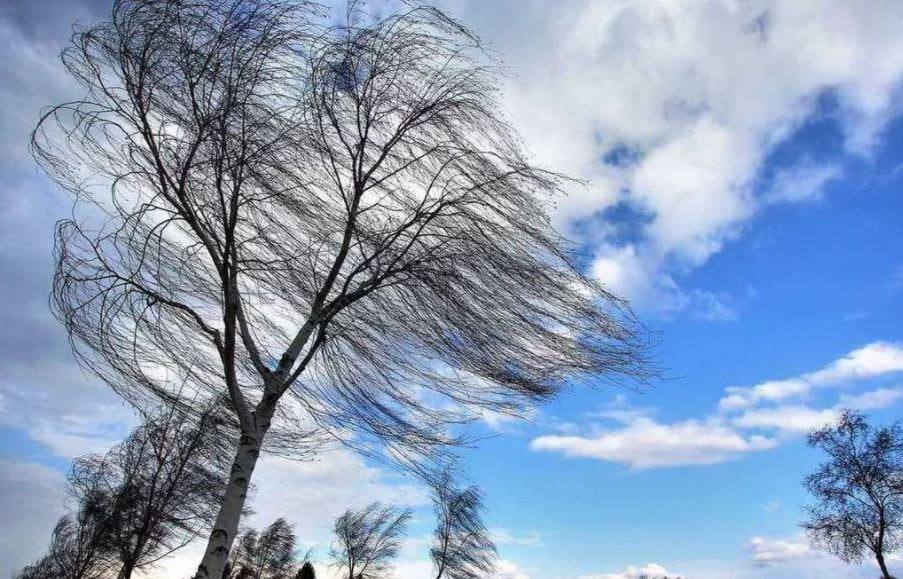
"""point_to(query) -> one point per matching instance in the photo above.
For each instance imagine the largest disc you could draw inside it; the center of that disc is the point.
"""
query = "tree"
(859, 490)
(306, 571)
(461, 548)
(141, 501)
(164, 482)
(266, 555)
(368, 539)
(334, 228)
(79, 546)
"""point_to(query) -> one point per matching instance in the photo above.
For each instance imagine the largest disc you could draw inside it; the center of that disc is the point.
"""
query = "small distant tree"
(269, 554)
(858, 490)
(306, 571)
(462, 548)
(368, 539)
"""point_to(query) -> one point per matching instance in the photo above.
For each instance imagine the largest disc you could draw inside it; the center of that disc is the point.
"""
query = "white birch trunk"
(226, 527)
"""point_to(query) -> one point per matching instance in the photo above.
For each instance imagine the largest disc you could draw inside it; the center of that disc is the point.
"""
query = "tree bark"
(885, 574)
(126, 571)
(226, 526)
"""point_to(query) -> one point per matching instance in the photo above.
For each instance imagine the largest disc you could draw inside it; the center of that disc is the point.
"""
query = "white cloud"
(801, 183)
(507, 537)
(872, 400)
(312, 494)
(645, 443)
(875, 359)
(767, 552)
(699, 94)
(506, 569)
(648, 571)
(794, 419)
(746, 421)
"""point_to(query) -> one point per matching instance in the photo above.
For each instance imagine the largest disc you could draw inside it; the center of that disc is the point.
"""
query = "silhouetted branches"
(269, 554)
(166, 480)
(368, 539)
(859, 490)
(79, 547)
(141, 501)
(461, 547)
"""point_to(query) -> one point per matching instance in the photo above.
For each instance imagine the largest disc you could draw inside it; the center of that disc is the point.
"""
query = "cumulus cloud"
(875, 359)
(648, 571)
(767, 552)
(652, 89)
(797, 419)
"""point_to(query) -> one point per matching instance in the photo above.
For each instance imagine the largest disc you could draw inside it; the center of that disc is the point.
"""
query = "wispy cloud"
(645, 443)
(875, 359)
(766, 552)
(748, 420)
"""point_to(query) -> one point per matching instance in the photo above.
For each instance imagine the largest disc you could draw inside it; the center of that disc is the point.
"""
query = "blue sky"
(745, 166)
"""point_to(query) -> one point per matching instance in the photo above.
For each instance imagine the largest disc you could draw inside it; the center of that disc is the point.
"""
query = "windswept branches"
(461, 547)
(166, 485)
(141, 501)
(859, 490)
(368, 539)
(78, 546)
(269, 554)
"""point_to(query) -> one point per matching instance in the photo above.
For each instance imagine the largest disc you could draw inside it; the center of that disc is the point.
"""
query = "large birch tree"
(333, 228)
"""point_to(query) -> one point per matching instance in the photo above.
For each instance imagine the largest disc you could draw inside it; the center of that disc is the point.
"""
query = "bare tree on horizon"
(462, 548)
(368, 539)
(859, 490)
(331, 228)
(165, 481)
(268, 554)
(79, 548)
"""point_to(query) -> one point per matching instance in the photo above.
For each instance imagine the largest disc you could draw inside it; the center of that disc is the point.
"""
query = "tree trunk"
(126, 571)
(226, 527)
(885, 574)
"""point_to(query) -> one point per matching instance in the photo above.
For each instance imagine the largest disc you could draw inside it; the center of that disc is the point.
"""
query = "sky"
(743, 167)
